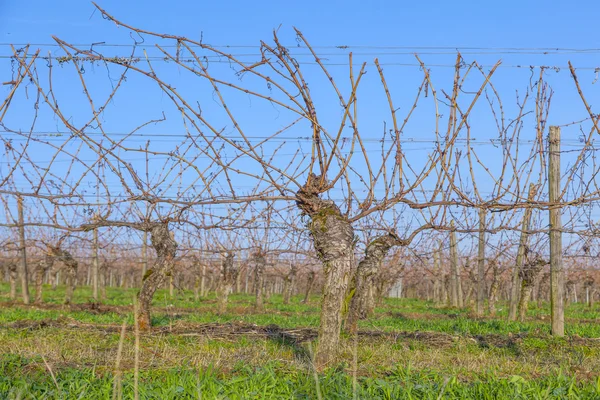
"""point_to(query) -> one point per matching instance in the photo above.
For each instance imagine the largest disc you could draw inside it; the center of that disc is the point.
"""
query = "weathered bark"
(12, 276)
(103, 272)
(588, 284)
(70, 279)
(542, 285)
(268, 289)
(23, 254)
(95, 267)
(309, 284)
(42, 267)
(203, 280)
(367, 268)
(437, 278)
(56, 280)
(493, 295)
(197, 288)
(333, 239)
(557, 274)
(70, 267)
(529, 275)
(445, 283)
(288, 284)
(165, 246)
(229, 273)
(259, 269)
(521, 252)
(455, 289)
(481, 265)
(238, 282)
(468, 299)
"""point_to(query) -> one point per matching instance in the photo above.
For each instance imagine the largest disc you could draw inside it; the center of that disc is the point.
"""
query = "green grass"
(414, 351)
(276, 381)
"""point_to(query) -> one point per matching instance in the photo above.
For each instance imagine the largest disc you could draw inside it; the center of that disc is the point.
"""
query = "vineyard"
(186, 220)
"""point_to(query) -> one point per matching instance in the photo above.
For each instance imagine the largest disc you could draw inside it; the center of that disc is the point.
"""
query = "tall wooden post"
(556, 259)
(203, 280)
(453, 268)
(144, 254)
(23, 253)
(437, 272)
(481, 265)
(95, 267)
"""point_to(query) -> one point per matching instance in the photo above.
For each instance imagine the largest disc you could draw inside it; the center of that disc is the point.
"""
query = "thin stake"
(117, 388)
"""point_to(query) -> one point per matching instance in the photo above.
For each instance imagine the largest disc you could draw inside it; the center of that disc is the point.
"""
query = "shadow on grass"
(292, 340)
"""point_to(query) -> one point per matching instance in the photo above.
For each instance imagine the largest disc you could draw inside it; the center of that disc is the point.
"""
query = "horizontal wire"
(342, 47)
(556, 68)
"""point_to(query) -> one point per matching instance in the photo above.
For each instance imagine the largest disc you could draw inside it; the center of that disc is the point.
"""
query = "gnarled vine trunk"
(229, 274)
(333, 239)
(165, 246)
(288, 283)
(12, 276)
(42, 267)
(521, 253)
(309, 284)
(70, 267)
(588, 284)
(366, 270)
(528, 274)
(259, 269)
(493, 295)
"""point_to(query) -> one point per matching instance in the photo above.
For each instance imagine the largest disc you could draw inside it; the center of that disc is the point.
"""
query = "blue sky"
(406, 26)
(414, 23)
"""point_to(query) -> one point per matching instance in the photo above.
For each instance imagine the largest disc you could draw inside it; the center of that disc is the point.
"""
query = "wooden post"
(453, 267)
(481, 265)
(437, 274)
(95, 267)
(23, 251)
(556, 259)
(202, 280)
(516, 278)
(144, 254)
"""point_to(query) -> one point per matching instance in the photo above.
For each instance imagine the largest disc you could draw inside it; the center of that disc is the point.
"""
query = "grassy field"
(409, 349)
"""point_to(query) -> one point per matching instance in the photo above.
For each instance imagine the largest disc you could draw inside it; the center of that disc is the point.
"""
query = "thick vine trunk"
(259, 269)
(529, 275)
(288, 284)
(589, 292)
(42, 267)
(333, 239)
(12, 276)
(309, 284)
(165, 246)
(58, 254)
(444, 287)
(229, 274)
(367, 268)
(493, 295)
(521, 253)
